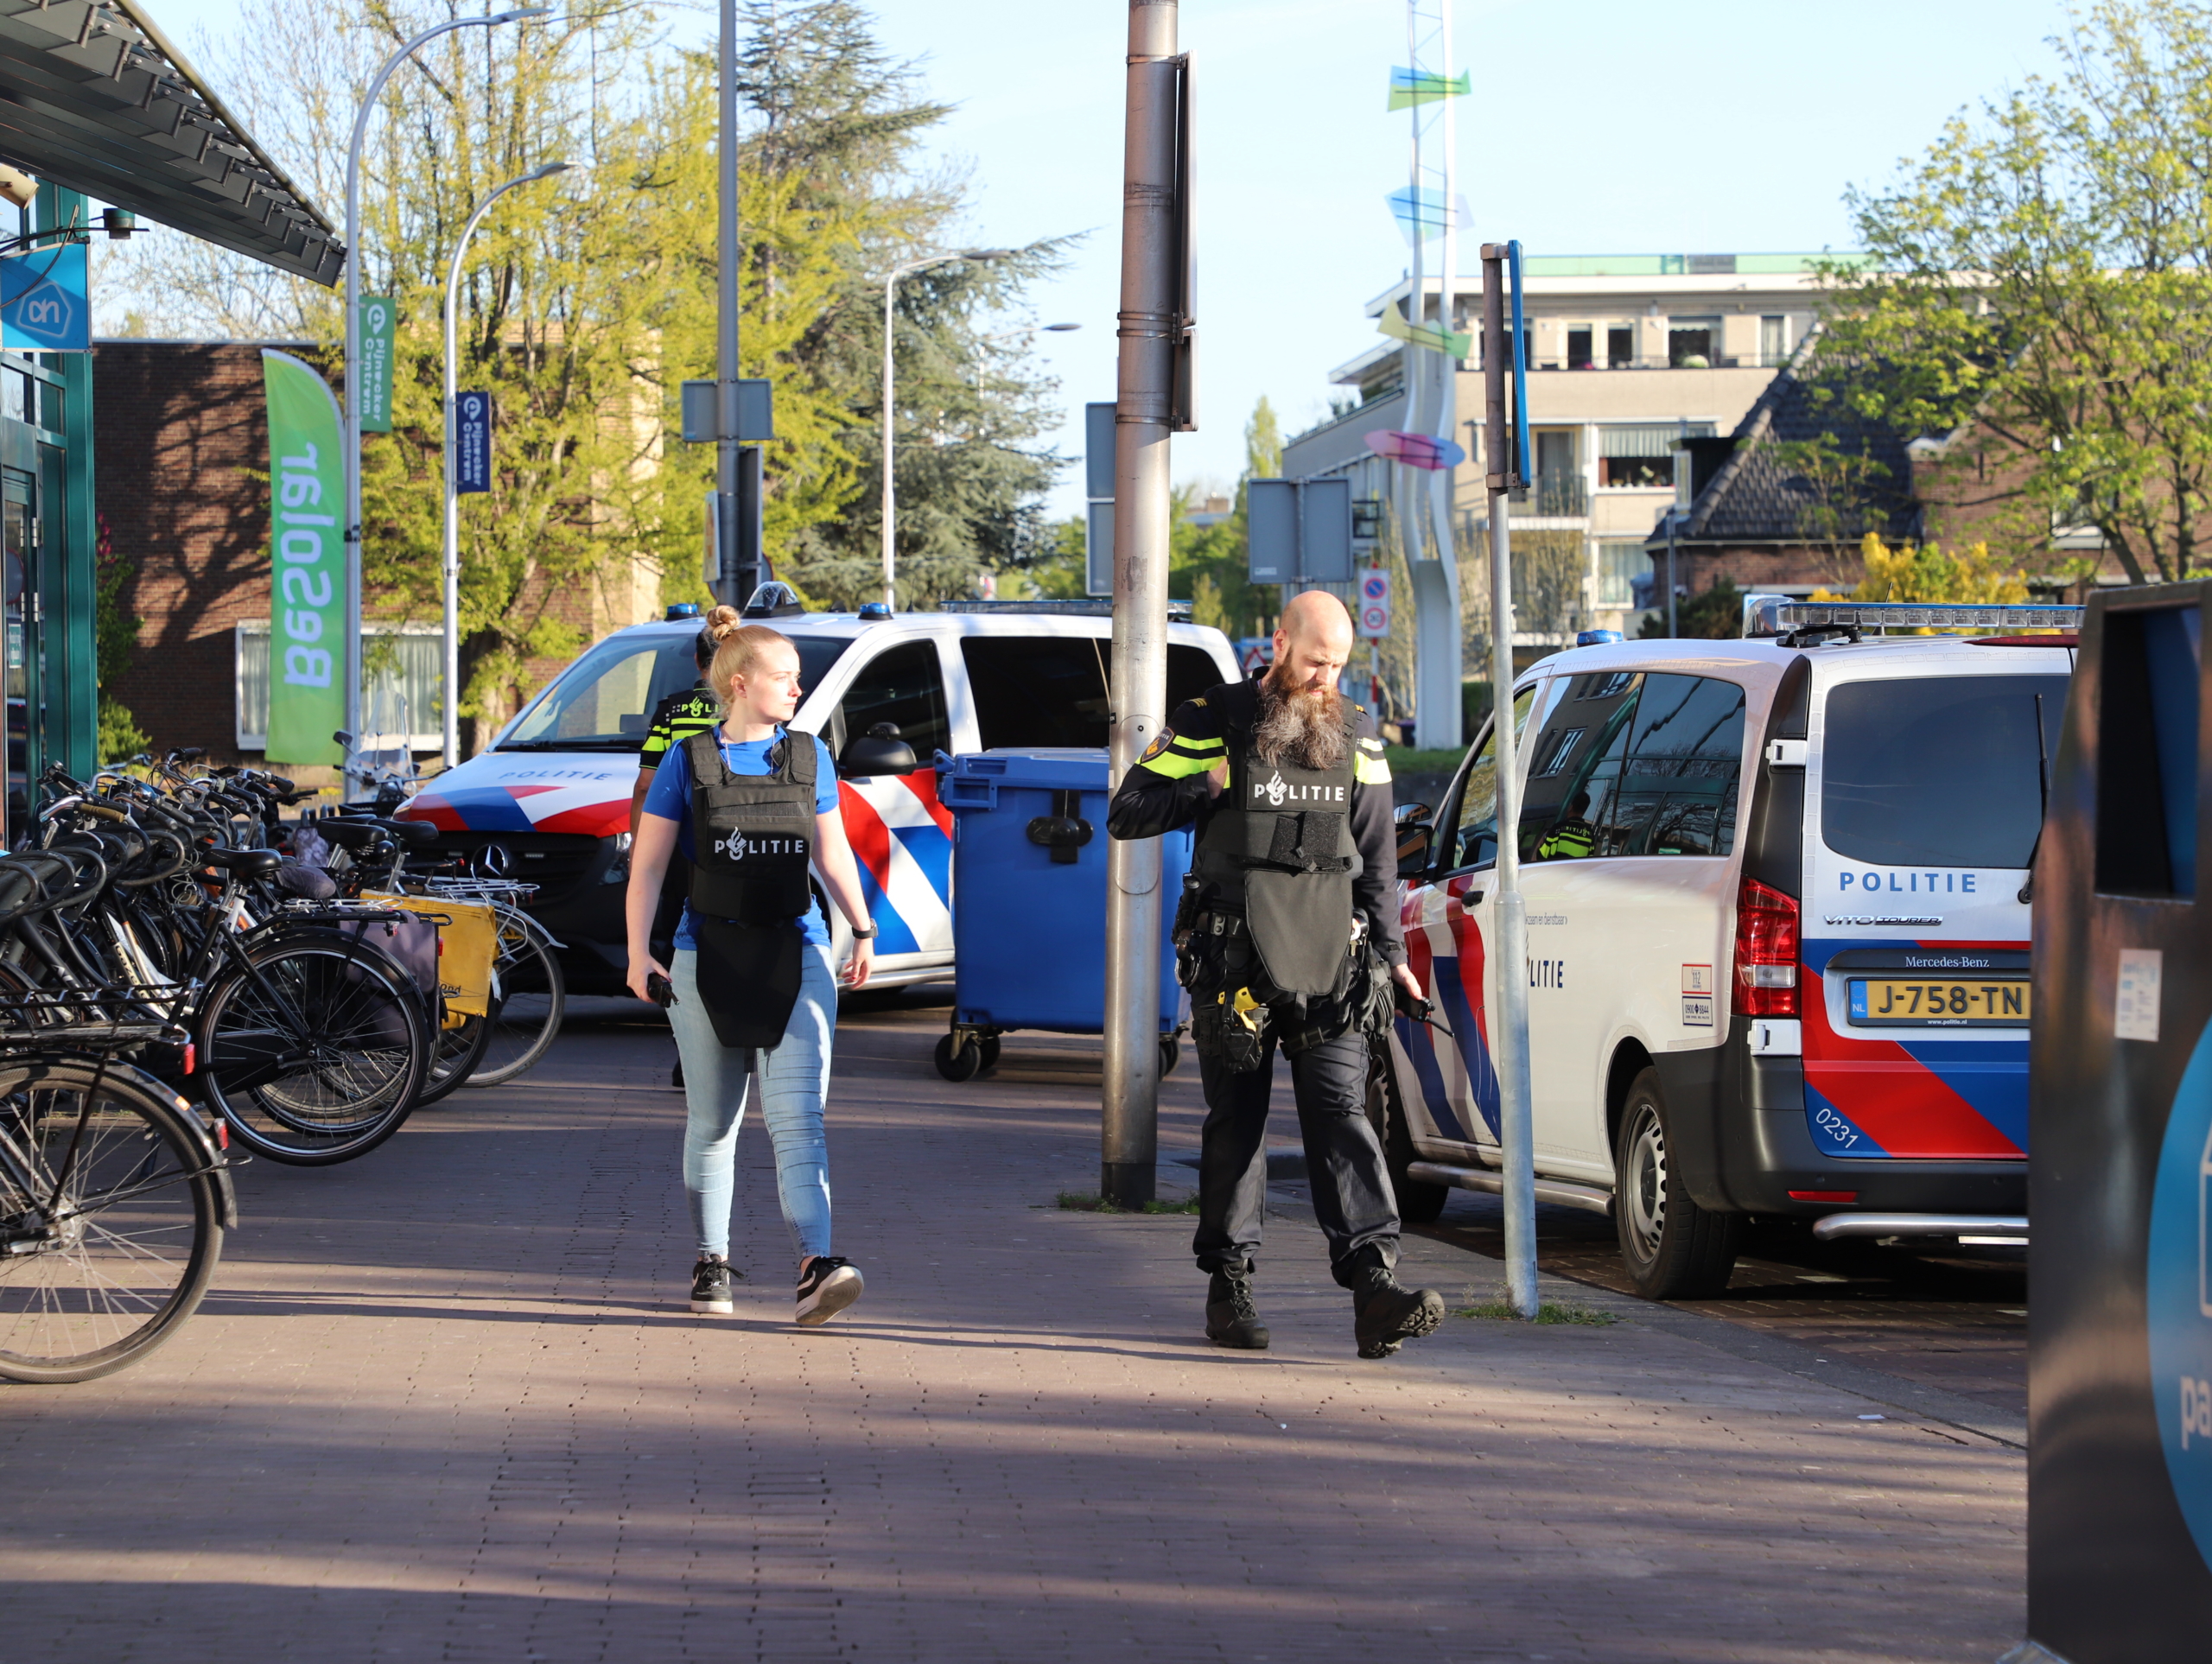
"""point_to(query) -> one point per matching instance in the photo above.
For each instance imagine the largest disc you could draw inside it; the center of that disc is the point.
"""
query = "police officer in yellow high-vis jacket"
(1288, 936)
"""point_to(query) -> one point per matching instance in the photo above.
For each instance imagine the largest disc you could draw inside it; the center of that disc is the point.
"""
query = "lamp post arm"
(351, 441)
(450, 576)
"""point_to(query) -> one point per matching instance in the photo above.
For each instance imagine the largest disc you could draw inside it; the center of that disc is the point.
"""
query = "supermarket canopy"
(94, 98)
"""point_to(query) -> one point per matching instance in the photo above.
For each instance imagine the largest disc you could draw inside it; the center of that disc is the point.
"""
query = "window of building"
(1620, 347)
(1692, 342)
(1774, 340)
(1640, 455)
(400, 695)
(1578, 347)
(1619, 565)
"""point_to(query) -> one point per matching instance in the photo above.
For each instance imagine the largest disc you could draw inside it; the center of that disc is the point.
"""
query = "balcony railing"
(1553, 496)
(1742, 361)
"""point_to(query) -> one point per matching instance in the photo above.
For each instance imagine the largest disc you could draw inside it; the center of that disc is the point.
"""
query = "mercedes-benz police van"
(549, 800)
(1777, 932)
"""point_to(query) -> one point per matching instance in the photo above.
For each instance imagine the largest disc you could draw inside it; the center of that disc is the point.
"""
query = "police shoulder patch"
(1159, 744)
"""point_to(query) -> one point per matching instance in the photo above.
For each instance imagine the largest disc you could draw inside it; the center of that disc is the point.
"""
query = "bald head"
(1311, 642)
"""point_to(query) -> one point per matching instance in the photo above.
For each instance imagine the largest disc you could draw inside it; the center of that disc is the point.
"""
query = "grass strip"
(1548, 1312)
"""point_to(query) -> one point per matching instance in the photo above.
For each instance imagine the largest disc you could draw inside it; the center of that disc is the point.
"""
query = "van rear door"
(1924, 797)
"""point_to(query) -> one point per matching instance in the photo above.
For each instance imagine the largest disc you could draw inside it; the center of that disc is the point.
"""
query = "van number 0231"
(1836, 1126)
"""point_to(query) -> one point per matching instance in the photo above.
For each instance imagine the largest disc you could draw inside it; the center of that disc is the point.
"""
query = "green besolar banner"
(306, 547)
(377, 314)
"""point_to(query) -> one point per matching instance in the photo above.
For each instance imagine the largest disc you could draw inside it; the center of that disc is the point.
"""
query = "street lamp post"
(890, 489)
(452, 562)
(352, 439)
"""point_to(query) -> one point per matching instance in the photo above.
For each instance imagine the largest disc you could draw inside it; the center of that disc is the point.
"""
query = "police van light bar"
(1770, 615)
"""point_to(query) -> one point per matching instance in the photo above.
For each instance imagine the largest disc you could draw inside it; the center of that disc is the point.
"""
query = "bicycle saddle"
(246, 863)
(352, 834)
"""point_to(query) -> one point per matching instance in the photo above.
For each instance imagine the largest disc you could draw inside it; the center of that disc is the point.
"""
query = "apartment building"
(1633, 359)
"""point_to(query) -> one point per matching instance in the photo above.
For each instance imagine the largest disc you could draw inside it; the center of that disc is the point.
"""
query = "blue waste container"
(1029, 901)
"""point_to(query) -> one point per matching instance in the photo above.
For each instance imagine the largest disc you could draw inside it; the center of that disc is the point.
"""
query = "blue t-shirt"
(669, 798)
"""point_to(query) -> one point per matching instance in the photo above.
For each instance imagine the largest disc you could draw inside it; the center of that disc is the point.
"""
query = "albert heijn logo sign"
(44, 304)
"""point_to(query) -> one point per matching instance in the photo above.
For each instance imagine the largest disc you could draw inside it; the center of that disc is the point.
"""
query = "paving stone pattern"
(446, 1404)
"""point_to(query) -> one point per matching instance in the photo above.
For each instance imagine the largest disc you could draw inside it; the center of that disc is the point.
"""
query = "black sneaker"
(1385, 1311)
(826, 1288)
(710, 1288)
(1232, 1319)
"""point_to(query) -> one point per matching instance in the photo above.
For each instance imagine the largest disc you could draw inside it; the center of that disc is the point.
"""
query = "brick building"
(181, 432)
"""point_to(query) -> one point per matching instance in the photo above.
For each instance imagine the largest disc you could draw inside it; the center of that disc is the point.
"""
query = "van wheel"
(1674, 1249)
(1420, 1203)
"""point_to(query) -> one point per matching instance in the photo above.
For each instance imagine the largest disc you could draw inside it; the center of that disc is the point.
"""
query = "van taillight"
(1766, 951)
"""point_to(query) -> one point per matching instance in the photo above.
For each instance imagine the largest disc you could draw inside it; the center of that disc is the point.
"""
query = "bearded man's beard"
(1304, 727)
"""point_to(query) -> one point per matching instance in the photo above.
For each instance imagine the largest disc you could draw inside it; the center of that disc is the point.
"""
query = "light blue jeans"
(794, 1077)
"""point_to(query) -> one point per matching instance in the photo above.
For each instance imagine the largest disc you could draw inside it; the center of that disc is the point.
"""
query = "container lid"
(1052, 768)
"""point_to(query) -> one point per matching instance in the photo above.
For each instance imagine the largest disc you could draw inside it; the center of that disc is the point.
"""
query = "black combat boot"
(1385, 1311)
(1232, 1320)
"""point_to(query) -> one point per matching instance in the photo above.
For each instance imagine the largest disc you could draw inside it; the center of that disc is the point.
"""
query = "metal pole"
(451, 548)
(352, 323)
(728, 268)
(1510, 1037)
(1151, 293)
(890, 489)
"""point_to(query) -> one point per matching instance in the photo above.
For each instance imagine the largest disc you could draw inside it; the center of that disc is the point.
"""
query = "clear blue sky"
(1721, 127)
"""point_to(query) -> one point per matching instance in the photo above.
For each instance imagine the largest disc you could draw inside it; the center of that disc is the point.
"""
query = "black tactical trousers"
(1343, 1159)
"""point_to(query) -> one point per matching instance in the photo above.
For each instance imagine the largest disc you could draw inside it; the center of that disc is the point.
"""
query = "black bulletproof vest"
(1279, 846)
(751, 835)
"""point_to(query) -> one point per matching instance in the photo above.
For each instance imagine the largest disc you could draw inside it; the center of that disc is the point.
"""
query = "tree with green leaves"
(588, 300)
(2043, 276)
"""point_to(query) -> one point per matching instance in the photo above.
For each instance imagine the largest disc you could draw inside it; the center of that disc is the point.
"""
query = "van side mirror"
(879, 751)
(1415, 838)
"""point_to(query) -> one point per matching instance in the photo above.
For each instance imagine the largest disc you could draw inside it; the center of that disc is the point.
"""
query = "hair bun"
(723, 622)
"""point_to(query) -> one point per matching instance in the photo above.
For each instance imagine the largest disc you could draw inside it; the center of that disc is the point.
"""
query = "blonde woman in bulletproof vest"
(753, 805)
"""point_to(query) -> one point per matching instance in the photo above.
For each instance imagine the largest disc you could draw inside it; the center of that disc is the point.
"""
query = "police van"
(549, 800)
(1777, 904)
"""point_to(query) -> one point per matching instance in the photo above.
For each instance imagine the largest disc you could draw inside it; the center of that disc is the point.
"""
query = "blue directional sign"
(44, 304)
(472, 442)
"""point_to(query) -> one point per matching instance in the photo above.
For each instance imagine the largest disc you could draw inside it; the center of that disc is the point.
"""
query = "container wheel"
(959, 1058)
(990, 1044)
(1171, 1053)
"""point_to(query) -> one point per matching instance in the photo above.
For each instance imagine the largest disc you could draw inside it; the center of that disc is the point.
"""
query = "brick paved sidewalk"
(446, 1404)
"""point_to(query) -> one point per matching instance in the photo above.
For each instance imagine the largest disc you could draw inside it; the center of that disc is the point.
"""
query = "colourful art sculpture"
(1415, 450)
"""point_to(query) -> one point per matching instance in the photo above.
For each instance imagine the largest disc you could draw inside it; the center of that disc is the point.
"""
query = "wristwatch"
(864, 935)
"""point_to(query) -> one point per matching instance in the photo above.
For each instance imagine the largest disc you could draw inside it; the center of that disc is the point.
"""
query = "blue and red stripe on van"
(1917, 1099)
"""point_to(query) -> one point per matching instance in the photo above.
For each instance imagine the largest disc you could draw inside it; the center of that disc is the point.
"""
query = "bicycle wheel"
(453, 1058)
(315, 1054)
(532, 996)
(111, 1214)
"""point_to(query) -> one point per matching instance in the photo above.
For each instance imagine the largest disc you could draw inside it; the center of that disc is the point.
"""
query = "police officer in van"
(1287, 936)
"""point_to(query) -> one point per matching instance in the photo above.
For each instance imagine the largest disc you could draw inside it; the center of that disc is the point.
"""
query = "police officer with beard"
(1288, 936)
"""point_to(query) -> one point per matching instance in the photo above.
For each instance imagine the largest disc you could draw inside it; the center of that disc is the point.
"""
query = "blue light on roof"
(1596, 638)
(873, 611)
(681, 610)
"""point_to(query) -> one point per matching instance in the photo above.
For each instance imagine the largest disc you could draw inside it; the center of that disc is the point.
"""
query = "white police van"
(1777, 932)
(549, 800)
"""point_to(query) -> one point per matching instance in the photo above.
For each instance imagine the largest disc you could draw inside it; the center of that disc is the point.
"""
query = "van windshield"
(1939, 771)
(605, 700)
